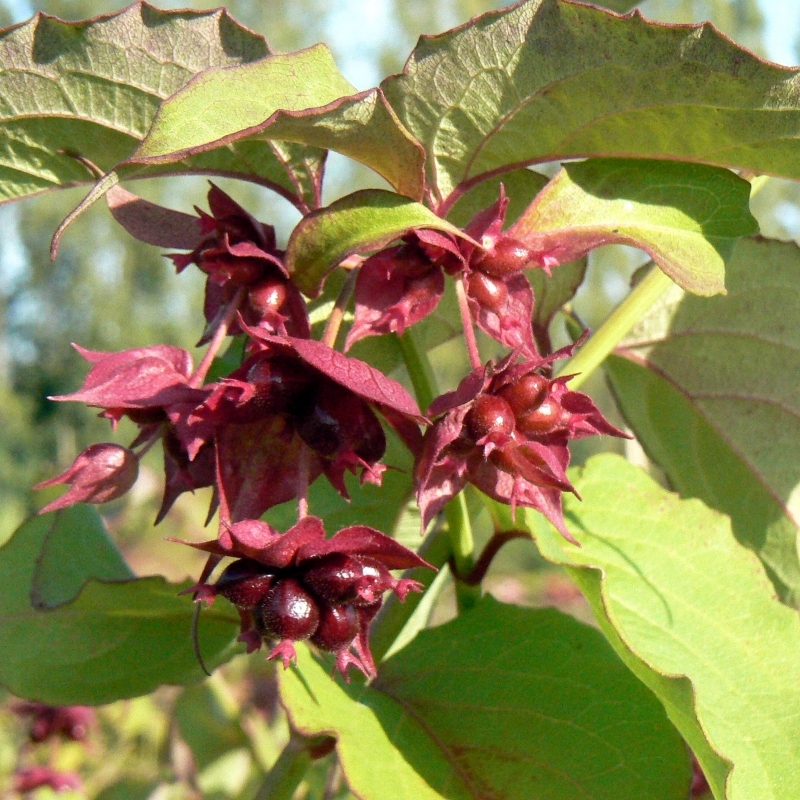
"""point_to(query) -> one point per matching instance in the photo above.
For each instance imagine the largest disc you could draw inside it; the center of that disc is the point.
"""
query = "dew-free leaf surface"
(686, 217)
(710, 387)
(548, 80)
(694, 616)
(113, 639)
(501, 702)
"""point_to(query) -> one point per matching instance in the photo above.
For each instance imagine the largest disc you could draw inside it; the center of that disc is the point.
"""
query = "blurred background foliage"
(107, 291)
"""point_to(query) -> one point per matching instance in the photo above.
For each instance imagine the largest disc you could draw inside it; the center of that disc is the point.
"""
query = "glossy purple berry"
(338, 626)
(490, 414)
(244, 583)
(526, 393)
(334, 578)
(490, 292)
(288, 611)
(508, 256)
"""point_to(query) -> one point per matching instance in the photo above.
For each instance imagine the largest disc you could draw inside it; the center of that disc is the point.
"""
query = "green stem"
(419, 370)
(616, 327)
(459, 529)
(288, 771)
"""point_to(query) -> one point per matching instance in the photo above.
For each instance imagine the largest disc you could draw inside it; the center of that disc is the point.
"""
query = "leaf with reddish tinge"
(687, 217)
(297, 97)
(548, 80)
(152, 223)
(73, 88)
(362, 221)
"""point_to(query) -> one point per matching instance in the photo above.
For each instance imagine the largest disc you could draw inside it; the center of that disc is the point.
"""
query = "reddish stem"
(478, 572)
(198, 376)
(466, 322)
(303, 464)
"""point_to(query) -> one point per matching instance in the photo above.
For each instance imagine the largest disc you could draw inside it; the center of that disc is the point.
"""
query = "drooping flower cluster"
(295, 409)
(51, 722)
(299, 585)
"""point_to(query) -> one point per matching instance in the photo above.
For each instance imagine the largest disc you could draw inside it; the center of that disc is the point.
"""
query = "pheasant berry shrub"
(390, 392)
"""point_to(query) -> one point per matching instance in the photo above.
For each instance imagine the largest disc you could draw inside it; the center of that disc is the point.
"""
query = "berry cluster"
(51, 722)
(299, 585)
(296, 409)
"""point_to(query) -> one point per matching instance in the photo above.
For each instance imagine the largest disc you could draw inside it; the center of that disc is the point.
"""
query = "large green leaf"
(92, 88)
(501, 702)
(687, 217)
(76, 548)
(298, 97)
(113, 640)
(364, 220)
(710, 388)
(694, 616)
(549, 80)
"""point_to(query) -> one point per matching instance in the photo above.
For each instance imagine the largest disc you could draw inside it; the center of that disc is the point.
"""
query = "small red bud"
(508, 256)
(527, 393)
(244, 582)
(489, 292)
(490, 414)
(338, 626)
(267, 295)
(549, 417)
(288, 611)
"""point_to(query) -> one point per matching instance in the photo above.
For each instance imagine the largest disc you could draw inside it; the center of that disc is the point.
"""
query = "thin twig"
(198, 376)
(340, 307)
(466, 322)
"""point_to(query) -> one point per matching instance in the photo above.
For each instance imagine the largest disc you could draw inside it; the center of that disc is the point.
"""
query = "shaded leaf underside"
(710, 388)
(550, 80)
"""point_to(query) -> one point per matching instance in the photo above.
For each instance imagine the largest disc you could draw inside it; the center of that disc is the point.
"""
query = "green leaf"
(693, 615)
(547, 80)
(92, 88)
(112, 641)
(365, 220)
(75, 549)
(501, 702)
(710, 389)
(687, 217)
(298, 97)
(206, 726)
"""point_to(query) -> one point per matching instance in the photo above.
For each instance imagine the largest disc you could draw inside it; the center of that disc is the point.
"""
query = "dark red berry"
(527, 393)
(279, 383)
(146, 416)
(288, 611)
(338, 626)
(267, 295)
(244, 583)
(549, 417)
(490, 414)
(489, 292)
(508, 256)
(334, 577)
(503, 460)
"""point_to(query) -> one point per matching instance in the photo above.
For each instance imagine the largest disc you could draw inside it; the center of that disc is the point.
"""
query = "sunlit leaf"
(693, 615)
(365, 220)
(113, 640)
(687, 217)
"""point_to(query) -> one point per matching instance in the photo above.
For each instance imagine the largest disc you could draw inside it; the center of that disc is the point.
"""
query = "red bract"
(295, 394)
(73, 722)
(299, 585)
(100, 473)
(399, 286)
(236, 250)
(26, 780)
(505, 430)
(142, 383)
